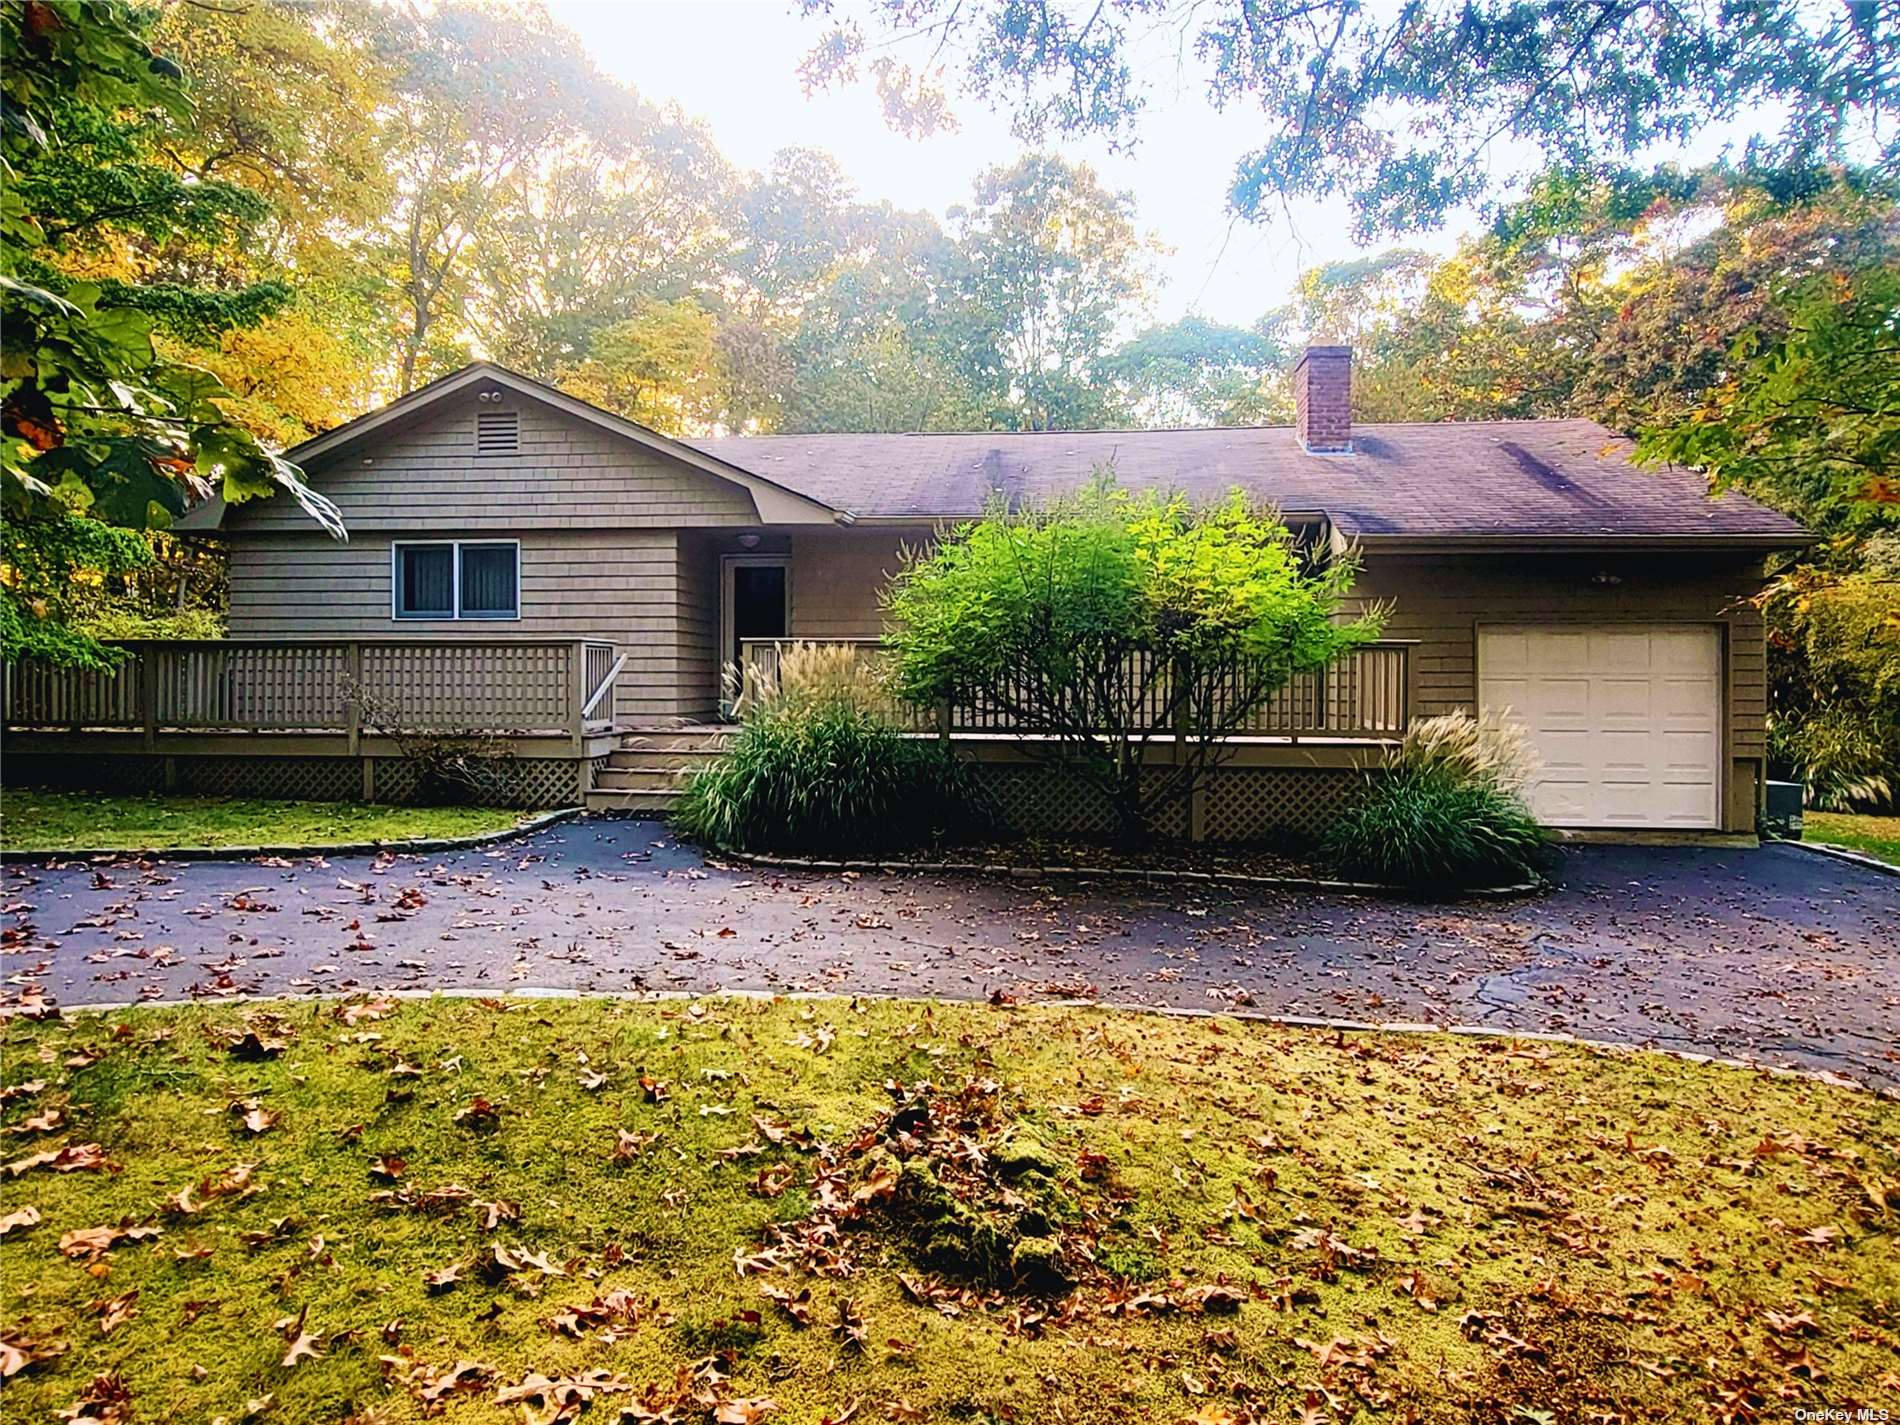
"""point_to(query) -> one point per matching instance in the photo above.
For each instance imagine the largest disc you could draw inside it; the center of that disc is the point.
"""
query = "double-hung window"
(456, 579)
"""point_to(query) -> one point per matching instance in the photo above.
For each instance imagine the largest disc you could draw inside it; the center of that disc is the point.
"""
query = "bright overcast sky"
(734, 64)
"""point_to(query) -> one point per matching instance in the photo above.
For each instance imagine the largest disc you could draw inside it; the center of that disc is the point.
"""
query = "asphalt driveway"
(1776, 954)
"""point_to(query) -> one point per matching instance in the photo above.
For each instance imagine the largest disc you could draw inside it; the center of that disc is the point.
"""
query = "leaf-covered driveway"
(1773, 953)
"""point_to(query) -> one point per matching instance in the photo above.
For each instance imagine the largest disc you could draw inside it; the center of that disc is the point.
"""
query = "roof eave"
(1436, 543)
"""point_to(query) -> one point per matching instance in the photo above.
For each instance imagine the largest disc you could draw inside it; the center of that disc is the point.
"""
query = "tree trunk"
(1131, 827)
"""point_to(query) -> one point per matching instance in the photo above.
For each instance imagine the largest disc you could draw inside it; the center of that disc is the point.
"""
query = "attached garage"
(1625, 718)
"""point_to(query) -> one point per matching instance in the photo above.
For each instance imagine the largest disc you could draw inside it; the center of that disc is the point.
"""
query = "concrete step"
(642, 779)
(637, 803)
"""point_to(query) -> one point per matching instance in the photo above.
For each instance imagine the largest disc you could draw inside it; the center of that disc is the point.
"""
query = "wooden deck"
(352, 688)
(1364, 697)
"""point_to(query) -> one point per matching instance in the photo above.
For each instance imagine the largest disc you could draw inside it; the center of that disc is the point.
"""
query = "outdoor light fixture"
(748, 541)
(1604, 579)
(489, 396)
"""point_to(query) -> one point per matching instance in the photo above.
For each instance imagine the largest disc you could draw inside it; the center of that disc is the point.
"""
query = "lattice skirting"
(1238, 803)
(522, 782)
(1275, 803)
(519, 781)
(65, 772)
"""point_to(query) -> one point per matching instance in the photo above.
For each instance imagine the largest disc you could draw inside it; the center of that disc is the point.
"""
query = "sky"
(733, 64)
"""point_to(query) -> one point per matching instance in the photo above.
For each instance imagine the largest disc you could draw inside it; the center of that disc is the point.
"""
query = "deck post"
(1409, 690)
(578, 690)
(148, 695)
(353, 695)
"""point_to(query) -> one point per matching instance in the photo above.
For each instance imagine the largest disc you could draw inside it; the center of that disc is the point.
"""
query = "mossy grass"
(1876, 835)
(1200, 1219)
(40, 820)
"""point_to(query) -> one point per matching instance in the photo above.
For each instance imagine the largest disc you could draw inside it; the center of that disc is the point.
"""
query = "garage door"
(1625, 719)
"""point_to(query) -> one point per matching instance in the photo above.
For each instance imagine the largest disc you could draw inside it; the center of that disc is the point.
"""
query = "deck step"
(639, 803)
(623, 778)
(662, 757)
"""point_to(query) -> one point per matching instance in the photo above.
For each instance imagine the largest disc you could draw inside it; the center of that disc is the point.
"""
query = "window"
(447, 579)
(497, 432)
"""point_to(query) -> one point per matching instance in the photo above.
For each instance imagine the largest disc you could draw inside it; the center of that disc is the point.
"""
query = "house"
(1526, 564)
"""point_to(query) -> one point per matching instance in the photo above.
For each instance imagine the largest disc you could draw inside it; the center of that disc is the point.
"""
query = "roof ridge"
(1150, 430)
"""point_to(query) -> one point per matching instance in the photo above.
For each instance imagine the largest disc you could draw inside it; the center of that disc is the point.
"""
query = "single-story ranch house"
(1527, 564)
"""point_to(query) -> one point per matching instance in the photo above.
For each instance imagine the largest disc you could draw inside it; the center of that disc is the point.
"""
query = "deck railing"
(1363, 696)
(351, 686)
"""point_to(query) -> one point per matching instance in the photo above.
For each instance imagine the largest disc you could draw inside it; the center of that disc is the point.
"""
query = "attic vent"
(497, 432)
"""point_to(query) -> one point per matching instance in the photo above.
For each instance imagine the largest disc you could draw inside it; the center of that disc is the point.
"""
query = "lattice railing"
(1364, 695)
(326, 685)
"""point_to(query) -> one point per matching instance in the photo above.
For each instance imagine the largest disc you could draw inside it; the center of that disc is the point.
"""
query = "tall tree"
(481, 96)
(1399, 107)
(637, 209)
(659, 366)
(1193, 372)
(875, 348)
(97, 426)
(1048, 267)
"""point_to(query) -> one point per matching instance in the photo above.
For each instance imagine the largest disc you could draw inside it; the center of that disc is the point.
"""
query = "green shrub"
(128, 623)
(830, 779)
(1445, 810)
(820, 767)
(1425, 829)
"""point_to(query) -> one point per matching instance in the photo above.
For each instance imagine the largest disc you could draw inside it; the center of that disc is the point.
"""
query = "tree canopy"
(109, 254)
(1399, 107)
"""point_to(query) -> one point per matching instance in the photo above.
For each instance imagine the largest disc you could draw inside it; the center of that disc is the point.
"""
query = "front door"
(755, 602)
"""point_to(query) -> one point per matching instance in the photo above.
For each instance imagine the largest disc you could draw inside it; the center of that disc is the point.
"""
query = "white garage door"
(1625, 719)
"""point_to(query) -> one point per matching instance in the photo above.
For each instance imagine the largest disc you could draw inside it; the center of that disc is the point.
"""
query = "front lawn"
(68, 821)
(735, 1210)
(1876, 835)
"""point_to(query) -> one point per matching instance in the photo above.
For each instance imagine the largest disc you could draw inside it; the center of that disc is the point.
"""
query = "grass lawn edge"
(1872, 840)
(1304, 1022)
(10, 855)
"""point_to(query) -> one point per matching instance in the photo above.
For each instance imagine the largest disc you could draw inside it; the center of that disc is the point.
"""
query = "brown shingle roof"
(1562, 479)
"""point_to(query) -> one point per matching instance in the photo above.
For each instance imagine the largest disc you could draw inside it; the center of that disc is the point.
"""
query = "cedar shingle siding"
(563, 474)
(600, 529)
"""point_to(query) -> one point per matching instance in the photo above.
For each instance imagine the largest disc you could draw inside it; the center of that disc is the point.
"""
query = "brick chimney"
(1322, 397)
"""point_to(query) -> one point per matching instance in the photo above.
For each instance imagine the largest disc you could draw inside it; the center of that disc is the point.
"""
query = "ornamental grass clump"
(1445, 810)
(819, 768)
